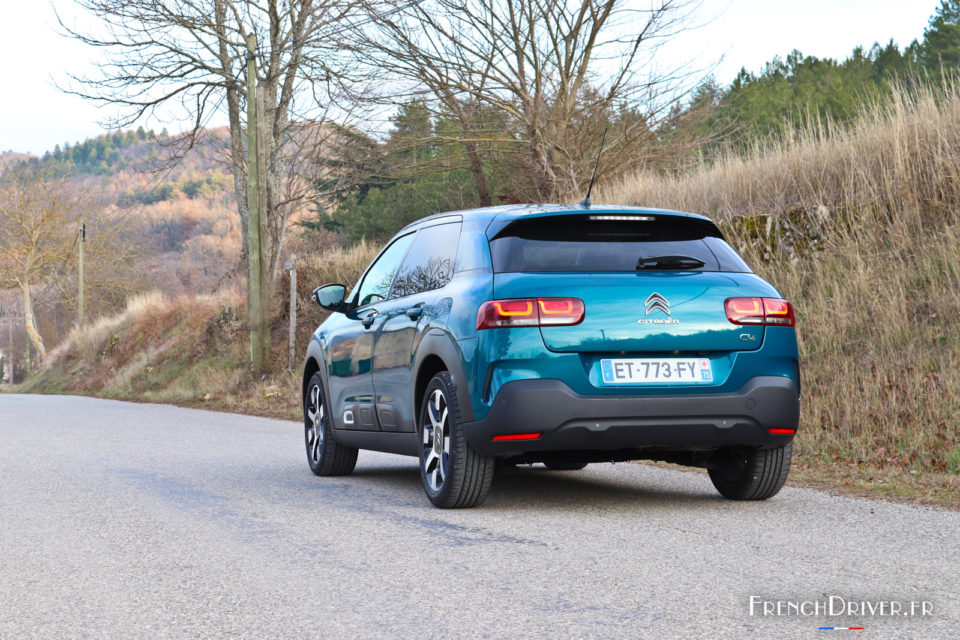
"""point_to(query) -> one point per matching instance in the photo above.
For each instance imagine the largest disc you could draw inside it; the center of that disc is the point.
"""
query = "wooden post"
(3, 355)
(291, 266)
(255, 300)
(81, 240)
(266, 275)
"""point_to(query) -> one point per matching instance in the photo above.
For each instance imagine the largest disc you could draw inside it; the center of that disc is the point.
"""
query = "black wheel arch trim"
(441, 344)
(315, 353)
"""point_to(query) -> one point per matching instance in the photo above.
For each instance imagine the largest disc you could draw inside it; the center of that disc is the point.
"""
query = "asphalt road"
(121, 520)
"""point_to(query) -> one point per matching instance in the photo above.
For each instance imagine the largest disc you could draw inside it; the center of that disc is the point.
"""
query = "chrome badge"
(656, 302)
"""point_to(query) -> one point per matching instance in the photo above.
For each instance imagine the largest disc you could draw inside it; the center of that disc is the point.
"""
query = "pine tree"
(941, 40)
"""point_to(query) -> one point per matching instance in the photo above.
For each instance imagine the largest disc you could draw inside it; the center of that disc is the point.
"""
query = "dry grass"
(193, 350)
(335, 264)
(860, 228)
(338, 264)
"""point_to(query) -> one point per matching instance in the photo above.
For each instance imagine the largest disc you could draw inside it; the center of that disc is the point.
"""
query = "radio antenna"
(586, 201)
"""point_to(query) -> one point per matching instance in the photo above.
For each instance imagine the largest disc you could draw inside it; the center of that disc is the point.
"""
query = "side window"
(474, 250)
(376, 284)
(429, 265)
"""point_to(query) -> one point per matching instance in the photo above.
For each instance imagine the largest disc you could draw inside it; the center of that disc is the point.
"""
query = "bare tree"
(193, 55)
(39, 223)
(561, 71)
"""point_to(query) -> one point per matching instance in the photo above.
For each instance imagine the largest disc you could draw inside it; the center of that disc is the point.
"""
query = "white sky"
(35, 115)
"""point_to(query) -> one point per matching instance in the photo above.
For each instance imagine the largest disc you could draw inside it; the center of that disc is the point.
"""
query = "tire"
(454, 476)
(753, 474)
(565, 466)
(324, 455)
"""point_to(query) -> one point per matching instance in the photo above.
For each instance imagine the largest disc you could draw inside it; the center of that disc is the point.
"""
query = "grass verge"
(860, 228)
(193, 350)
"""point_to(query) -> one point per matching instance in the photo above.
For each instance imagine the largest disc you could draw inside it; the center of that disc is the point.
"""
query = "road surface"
(121, 520)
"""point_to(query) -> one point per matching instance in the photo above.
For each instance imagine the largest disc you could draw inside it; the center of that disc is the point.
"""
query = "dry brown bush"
(860, 228)
(193, 349)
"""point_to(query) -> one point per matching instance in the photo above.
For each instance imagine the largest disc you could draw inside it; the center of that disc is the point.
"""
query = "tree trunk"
(543, 176)
(30, 324)
(479, 177)
(256, 193)
(233, 88)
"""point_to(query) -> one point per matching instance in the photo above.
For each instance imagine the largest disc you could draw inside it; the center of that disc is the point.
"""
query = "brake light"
(763, 311)
(744, 310)
(778, 311)
(514, 308)
(560, 310)
(530, 312)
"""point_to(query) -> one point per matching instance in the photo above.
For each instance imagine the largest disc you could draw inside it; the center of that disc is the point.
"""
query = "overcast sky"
(35, 116)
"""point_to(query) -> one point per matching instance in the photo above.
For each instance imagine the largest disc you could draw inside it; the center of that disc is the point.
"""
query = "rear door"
(350, 346)
(414, 305)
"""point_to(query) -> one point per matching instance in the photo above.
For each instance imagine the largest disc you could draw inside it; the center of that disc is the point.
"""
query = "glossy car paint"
(377, 371)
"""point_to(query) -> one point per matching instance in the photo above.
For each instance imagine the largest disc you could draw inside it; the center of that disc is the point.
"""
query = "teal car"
(555, 334)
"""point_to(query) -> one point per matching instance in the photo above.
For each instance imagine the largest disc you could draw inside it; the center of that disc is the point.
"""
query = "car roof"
(511, 212)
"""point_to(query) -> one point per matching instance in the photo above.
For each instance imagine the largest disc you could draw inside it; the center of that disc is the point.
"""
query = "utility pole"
(81, 240)
(254, 254)
(10, 342)
(3, 355)
(291, 266)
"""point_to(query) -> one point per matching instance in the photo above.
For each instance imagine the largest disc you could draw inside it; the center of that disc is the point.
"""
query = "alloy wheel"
(315, 420)
(436, 441)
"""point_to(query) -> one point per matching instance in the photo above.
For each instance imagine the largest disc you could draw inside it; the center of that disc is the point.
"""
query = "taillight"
(777, 311)
(767, 311)
(530, 312)
(560, 310)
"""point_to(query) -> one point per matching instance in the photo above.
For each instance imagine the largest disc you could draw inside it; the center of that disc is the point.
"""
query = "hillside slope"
(174, 227)
(860, 228)
(194, 349)
(181, 204)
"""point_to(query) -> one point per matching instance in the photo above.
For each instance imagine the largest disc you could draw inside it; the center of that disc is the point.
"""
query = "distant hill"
(178, 205)
(148, 167)
(11, 158)
(181, 203)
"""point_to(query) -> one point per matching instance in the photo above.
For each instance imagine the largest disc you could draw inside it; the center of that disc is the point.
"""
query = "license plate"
(660, 370)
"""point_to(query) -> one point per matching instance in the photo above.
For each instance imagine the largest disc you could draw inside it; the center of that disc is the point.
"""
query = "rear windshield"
(592, 243)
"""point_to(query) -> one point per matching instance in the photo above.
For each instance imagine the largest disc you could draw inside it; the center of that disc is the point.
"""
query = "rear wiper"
(669, 263)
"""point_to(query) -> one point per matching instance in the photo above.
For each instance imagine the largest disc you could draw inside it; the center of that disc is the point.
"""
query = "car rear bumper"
(568, 421)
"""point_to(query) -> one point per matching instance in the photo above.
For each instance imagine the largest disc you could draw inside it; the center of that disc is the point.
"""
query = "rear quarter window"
(579, 243)
(430, 261)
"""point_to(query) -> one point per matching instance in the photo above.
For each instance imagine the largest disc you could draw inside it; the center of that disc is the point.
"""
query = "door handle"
(369, 318)
(415, 312)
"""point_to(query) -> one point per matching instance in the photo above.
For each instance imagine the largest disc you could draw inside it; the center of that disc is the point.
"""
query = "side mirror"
(330, 296)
